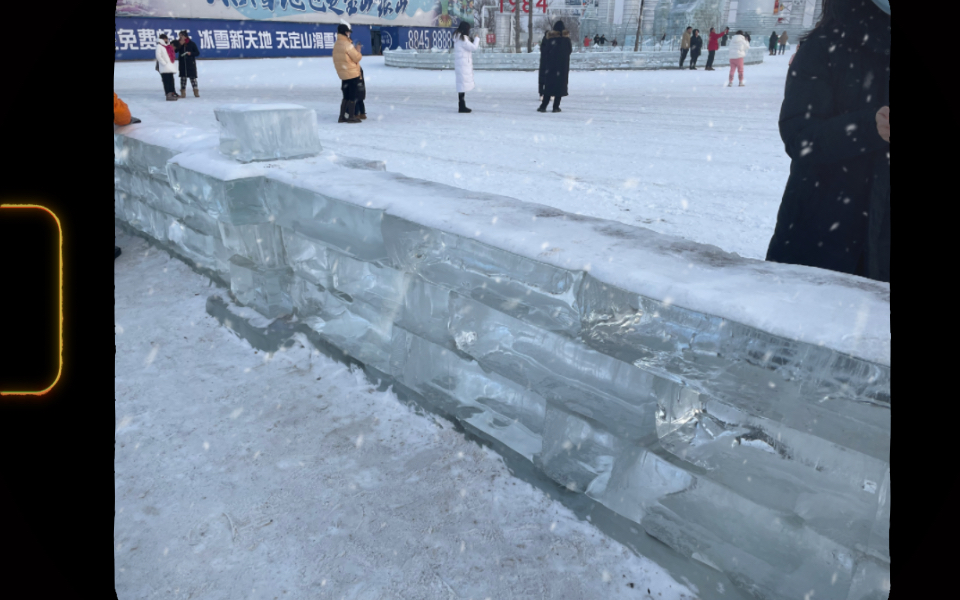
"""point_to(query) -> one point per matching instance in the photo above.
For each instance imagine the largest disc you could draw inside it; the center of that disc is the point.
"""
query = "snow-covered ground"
(675, 151)
(245, 475)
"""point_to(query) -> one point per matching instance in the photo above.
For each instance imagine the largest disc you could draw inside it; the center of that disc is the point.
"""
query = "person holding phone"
(835, 126)
(188, 52)
(463, 48)
(346, 59)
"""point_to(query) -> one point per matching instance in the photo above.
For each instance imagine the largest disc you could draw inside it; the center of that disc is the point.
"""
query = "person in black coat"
(772, 46)
(555, 66)
(187, 53)
(696, 45)
(835, 211)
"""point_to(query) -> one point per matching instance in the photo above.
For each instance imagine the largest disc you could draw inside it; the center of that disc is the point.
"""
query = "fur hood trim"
(554, 34)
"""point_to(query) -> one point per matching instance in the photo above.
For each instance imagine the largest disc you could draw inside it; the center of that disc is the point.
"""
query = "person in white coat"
(463, 48)
(738, 51)
(166, 65)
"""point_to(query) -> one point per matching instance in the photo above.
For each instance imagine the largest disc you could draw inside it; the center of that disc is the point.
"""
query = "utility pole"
(530, 27)
(516, 25)
(636, 44)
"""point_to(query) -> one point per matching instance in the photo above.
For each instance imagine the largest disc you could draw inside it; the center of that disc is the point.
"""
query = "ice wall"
(736, 410)
(605, 59)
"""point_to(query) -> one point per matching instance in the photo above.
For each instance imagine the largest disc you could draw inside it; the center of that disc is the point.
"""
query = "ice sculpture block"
(255, 132)
(735, 410)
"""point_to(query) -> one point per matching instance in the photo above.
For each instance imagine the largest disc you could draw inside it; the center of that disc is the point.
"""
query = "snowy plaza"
(674, 151)
(247, 473)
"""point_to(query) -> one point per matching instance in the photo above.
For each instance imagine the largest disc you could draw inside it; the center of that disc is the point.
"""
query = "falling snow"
(243, 476)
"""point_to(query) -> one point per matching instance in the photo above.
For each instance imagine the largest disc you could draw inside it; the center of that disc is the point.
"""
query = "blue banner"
(136, 38)
(416, 38)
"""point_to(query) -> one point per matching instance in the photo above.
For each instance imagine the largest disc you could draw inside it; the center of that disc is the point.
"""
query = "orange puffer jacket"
(346, 58)
(121, 114)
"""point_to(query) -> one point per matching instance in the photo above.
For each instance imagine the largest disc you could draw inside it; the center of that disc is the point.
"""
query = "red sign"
(525, 7)
(491, 39)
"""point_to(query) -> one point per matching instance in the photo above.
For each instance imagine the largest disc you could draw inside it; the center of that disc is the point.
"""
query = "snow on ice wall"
(579, 61)
(736, 410)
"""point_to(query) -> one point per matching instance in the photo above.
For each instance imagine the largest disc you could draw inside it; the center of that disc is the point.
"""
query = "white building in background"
(618, 18)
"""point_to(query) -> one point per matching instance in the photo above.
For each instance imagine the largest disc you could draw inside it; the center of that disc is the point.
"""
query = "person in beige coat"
(346, 59)
(685, 45)
(783, 41)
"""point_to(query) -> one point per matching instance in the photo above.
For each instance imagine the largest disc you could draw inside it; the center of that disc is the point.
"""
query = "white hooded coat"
(166, 65)
(463, 62)
(738, 46)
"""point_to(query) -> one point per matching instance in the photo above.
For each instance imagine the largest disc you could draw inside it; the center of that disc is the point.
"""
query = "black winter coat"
(696, 45)
(188, 64)
(835, 212)
(773, 41)
(555, 64)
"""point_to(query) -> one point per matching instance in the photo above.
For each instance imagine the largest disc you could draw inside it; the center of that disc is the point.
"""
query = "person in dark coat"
(555, 66)
(696, 46)
(726, 36)
(835, 211)
(772, 46)
(187, 53)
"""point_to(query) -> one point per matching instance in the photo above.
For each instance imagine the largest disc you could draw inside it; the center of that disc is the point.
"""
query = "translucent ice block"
(254, 132)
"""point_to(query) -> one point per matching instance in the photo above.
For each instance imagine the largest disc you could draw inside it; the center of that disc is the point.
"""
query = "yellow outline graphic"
(60, 290)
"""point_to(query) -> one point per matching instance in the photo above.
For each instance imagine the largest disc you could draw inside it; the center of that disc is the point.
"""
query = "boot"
(730, 84)
(183, 92)
(543, 105)
(343, 110)
(463, 104)
(351, 108)
(183, 87)
(556, 104)
(362, 117)
(741, 84)
(116, 252)
(196, 90)
(172, 97)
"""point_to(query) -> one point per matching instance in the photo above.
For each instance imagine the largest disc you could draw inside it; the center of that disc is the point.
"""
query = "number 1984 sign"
(541, 4)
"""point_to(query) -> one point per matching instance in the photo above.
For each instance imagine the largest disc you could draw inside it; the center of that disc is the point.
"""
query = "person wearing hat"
(555, 66)
(346, 59)
(463, 48)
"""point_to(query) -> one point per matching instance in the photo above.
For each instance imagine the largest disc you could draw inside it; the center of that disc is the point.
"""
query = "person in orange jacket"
(121, 114)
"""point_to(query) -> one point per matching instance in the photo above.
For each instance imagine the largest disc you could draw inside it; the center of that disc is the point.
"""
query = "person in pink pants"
(738, 51)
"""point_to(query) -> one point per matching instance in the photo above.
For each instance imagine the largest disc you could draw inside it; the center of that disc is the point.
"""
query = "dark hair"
(463, 30)
(688, 27)
(184, 33)
(342, 29)
(739, 32)
(162, 36)
(834, 11)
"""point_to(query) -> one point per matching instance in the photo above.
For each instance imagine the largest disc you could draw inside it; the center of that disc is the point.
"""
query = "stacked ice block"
(250, 132)
(737, 411)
